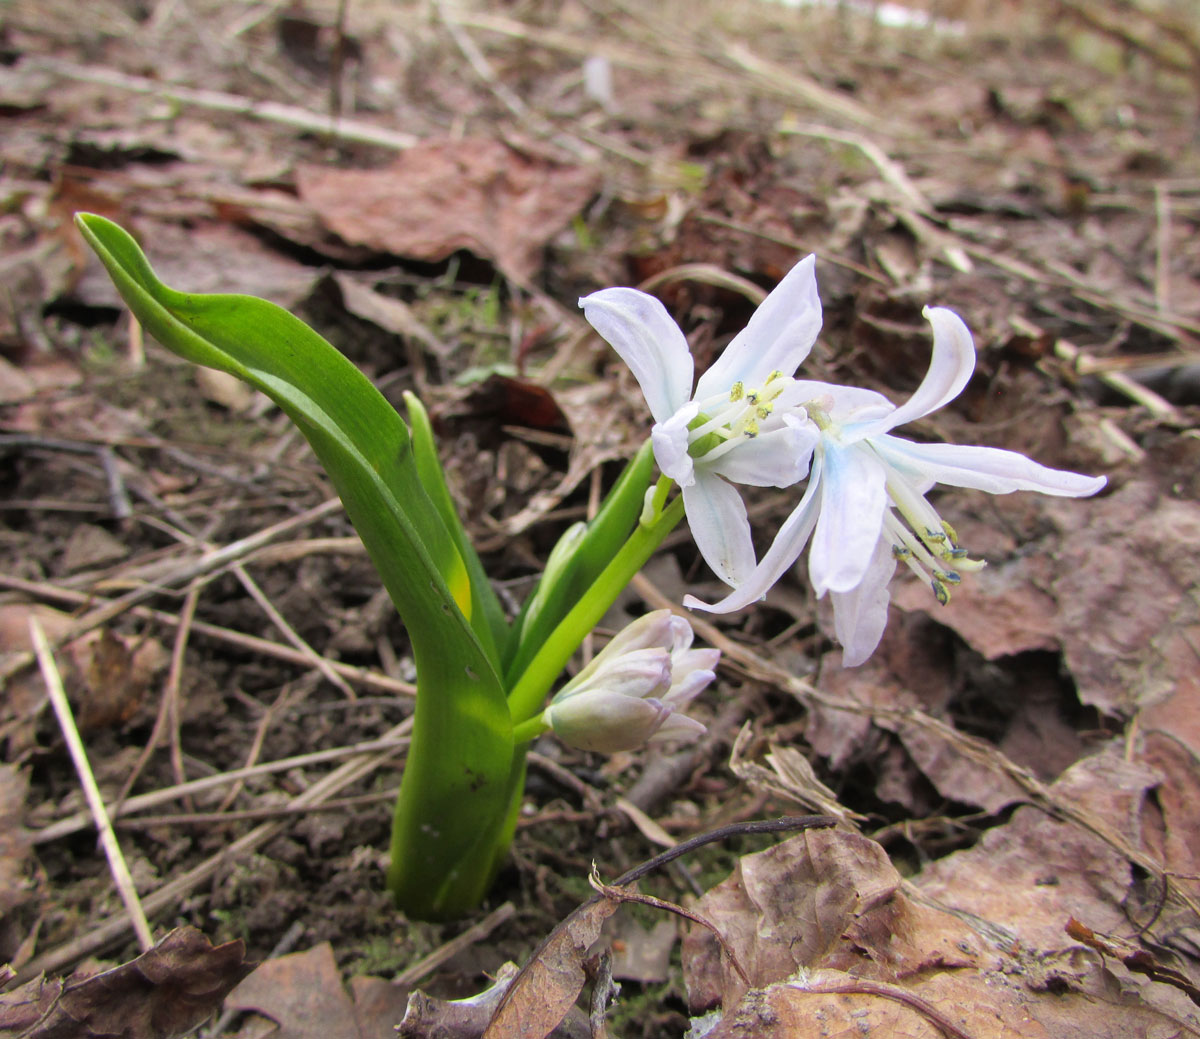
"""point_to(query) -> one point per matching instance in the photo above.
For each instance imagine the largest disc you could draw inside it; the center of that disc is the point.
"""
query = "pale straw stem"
(112, 849)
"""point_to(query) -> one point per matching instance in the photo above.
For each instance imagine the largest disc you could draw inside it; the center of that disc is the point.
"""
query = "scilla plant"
(483, 679)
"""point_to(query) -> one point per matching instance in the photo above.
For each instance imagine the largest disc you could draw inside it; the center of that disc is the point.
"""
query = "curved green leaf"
(461, 758)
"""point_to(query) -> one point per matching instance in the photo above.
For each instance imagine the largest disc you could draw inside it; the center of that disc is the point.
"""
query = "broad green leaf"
(460, 762)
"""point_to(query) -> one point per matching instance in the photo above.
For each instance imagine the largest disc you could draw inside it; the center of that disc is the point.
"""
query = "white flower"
(865, 506)
(742, 424)
(635, 689)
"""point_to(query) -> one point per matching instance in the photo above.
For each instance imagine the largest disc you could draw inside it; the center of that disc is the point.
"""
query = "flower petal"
(950, 369)
(853, 499)
(778, 336)
(860, 615)
(778, 458)
(639, 328)
(720, 527)
(678, 727)
(784, 551)
(670, 440)
(843, 404)
(982, 468)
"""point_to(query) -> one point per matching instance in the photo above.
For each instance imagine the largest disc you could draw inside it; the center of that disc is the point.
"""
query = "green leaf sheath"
(456, 788)
(606, 533)
(487, 615)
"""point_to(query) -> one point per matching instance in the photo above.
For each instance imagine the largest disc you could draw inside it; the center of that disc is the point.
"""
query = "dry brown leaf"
(545, 990)
(1000, 611)
(444, 195)
(1028, 877)
(841, 950)
(167, 991)
(14, 839)
(784, 908)
(967, 1004)
(1130, 617)
(302, 993)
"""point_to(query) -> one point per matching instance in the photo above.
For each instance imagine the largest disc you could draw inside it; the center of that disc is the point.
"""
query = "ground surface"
(1025, 756)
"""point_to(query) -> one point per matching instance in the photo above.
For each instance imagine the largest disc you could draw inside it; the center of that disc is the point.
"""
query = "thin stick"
(269, 111)
(252, 643)
(474, 933)
(1162, 247)
(175, 677)
(290, 633)
(170, 894)
(170, 691)
(74, 823)
(112, 849)
(205, 564)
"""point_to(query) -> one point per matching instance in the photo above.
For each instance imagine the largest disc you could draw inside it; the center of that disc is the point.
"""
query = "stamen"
(940, 591)
(737, 391)
(947, 576)
(721, 449)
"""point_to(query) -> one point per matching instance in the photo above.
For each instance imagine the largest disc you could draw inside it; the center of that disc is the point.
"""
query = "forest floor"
(432, 186)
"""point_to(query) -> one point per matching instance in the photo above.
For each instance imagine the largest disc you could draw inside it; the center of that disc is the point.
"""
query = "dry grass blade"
(171, 893)
(67, 596)
(74, 823)
(205, 564)
(112, 848)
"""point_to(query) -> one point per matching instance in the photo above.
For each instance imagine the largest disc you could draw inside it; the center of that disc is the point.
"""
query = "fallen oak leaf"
(167, 991)
(302, 993)
(545, 989)
(443, 195)
(547, 986)
(625, 895)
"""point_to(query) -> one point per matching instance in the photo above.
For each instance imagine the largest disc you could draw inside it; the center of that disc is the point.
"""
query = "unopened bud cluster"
(635, 689)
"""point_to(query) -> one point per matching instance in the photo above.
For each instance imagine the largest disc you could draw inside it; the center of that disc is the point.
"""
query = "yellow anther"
(752, 397)
(950, 532)
(940, 591)
(763, 411)
(737, 391)
(751, 429)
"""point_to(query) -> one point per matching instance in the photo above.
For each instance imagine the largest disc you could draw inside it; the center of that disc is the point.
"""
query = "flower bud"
(635, 689)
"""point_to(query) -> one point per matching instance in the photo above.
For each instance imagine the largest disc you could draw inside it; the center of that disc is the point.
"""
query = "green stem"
(529, 730)
(529, 694)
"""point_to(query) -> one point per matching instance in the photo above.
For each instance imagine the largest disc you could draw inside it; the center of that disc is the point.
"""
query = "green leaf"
(487, 615)
(457, 777)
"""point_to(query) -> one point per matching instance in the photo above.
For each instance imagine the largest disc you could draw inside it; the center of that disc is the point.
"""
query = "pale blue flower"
(865, 507)
(742, 425)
